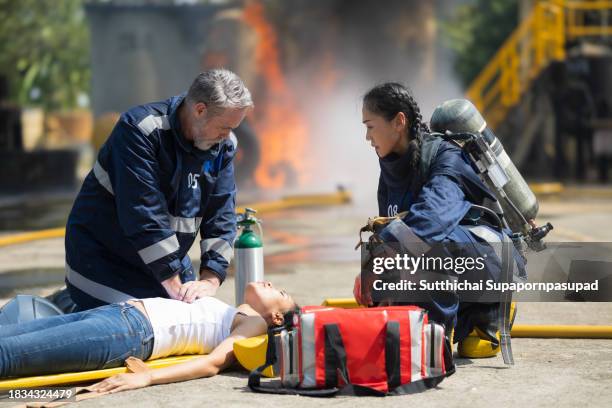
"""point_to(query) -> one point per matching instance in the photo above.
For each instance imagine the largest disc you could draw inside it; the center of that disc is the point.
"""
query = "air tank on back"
(461, 116)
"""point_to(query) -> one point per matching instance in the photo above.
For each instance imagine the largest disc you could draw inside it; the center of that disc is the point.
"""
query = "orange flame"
(282, 130)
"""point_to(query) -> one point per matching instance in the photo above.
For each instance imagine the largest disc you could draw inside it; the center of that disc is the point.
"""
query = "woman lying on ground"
(147, 329)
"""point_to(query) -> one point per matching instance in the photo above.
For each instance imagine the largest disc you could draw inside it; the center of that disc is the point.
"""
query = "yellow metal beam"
(589, 5)
(536, 42)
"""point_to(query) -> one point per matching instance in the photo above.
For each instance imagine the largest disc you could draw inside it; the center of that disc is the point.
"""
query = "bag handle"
(392, 355)
(335, 357)
(424, 384)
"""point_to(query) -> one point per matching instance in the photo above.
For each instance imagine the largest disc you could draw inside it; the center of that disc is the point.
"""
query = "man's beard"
(204, 144)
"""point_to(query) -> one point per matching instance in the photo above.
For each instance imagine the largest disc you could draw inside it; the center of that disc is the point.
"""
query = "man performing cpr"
(165, 173)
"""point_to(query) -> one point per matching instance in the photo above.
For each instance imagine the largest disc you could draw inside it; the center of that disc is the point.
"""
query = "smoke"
(337, 142)
(336, 51)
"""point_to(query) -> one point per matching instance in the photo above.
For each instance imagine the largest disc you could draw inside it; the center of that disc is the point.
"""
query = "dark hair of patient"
(288, 317)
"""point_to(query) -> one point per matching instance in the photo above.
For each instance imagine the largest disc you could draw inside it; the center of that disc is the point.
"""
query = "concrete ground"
(310, 253)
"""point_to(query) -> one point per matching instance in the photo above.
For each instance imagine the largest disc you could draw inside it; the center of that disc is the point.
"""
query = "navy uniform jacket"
(444, 199)
(141, 207)
(436, 213)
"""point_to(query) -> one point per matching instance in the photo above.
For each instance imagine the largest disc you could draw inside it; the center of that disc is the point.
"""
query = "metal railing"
(539, 39)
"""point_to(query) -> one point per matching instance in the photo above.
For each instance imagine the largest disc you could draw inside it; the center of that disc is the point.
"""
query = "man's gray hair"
(219, 89)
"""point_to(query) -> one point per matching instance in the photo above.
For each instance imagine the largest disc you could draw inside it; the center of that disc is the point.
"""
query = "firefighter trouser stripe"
(160, 249)
(102, 177)
(489, 236)
(95, 289)
(218, 245)
(493, 240)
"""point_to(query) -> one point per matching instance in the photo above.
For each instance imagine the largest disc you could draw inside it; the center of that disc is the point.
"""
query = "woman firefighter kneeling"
(430, 187)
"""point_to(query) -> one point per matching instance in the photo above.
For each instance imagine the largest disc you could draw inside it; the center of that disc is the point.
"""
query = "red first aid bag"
(366, 351)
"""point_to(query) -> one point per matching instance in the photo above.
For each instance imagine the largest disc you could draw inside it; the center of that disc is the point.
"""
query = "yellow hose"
(32, 236)
(520, 330)
(561, 331)
(298, 201)
(546, 188)
(344, 303)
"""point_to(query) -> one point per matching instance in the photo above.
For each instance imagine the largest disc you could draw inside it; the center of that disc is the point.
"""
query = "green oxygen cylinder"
(248, 250)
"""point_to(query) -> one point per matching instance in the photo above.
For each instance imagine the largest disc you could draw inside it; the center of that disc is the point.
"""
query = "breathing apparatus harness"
(495, 177)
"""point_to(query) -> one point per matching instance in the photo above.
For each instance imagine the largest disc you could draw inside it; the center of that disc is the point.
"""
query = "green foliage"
(44, 51)
(476, 31)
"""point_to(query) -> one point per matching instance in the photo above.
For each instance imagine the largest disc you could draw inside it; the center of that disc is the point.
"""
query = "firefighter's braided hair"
(387, 100)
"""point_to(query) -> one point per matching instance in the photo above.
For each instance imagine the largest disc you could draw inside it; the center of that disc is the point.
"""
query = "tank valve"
(537, 234)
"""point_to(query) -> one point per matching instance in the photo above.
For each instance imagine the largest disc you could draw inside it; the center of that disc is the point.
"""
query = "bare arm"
(206, 366)
(218, 360)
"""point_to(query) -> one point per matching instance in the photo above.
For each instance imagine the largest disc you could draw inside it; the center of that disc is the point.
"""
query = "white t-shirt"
(188, 328)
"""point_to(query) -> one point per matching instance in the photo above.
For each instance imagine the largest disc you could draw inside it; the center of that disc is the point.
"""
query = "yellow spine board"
(73, 378)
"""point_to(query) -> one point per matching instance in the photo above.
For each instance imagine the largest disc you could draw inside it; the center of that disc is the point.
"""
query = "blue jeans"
(94, 339)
